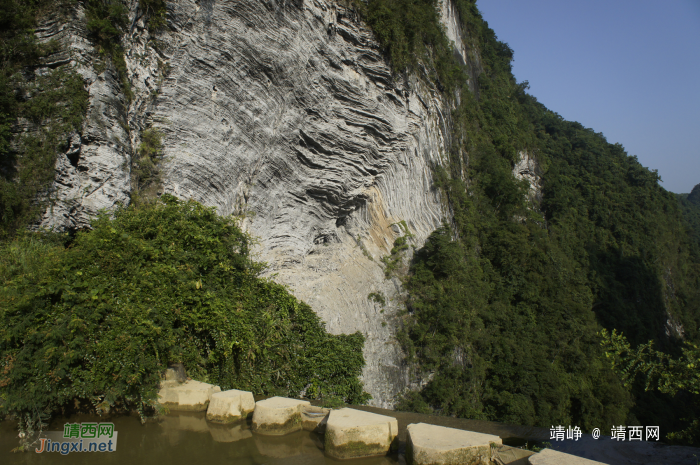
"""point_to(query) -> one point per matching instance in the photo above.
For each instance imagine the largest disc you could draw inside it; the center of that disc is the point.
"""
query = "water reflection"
(184, 439)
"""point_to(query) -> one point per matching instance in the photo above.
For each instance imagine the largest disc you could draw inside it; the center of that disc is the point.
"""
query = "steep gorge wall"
(287, 110)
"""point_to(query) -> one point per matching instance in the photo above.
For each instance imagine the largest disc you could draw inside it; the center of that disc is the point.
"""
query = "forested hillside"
(507, 301)
(515, 305)
(690, 205)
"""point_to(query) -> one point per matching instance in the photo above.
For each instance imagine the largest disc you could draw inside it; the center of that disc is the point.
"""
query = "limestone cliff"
(286, 110)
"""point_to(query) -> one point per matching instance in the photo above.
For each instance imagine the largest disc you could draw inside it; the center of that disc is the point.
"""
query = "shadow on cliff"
(630, 298)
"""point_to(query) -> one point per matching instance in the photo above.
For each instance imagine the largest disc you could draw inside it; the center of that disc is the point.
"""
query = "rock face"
(286, 110)
(94, 172)
(527, 168)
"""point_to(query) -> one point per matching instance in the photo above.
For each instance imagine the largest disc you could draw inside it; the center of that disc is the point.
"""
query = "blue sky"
(627, 68)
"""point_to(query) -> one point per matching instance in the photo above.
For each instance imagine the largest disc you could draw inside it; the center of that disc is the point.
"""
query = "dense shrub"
(169, 282)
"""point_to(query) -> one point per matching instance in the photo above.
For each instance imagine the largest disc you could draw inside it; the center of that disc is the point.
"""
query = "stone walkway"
(349, 433)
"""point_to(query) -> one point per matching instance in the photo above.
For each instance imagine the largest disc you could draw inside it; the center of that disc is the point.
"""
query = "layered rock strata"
(285, 112)
(94, 172)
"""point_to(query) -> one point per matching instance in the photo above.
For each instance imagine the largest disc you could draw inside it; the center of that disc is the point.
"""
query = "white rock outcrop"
(94, 172)
(287, 110)
(526, 168)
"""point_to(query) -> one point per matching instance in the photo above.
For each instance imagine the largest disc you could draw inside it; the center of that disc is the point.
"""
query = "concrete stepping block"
(314, 419)
(552, 457)
(278, 415)
(438, 445)
(190, 396)
(507, 455)
(230, 406)
(353, 434)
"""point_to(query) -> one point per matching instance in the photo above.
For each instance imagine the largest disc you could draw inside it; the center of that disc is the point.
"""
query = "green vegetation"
(411, 33)
(659, 371)
(50, 106)
(55, 101)
(393, 260)
(155, 11)
(333, 402)
(506, 303)
(98, 321)
(106, 22)
(144, 171)
(690, 205)
(377, 297)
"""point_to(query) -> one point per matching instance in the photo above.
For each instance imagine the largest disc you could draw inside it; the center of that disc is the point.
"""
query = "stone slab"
(277, 416)
(190, 396)
(552, 457)
(439, 445)
(315, 419)
(230, 406)
(354, 434)
(506, 455)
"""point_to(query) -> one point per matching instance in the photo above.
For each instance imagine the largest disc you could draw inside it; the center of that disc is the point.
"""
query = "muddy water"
(188, 439)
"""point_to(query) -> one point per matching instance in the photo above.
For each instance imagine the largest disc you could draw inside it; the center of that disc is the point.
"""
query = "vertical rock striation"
(93, 174)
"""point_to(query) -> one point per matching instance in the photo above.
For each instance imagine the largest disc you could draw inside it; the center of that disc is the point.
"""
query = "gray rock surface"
(527, 168)
(94, 173)
(289, 111)
(467, 56)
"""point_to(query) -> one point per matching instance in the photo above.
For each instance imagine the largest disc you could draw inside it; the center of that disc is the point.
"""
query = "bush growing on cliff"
(98, 321)
(155, 11)
(106, 23)
(51, 104)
